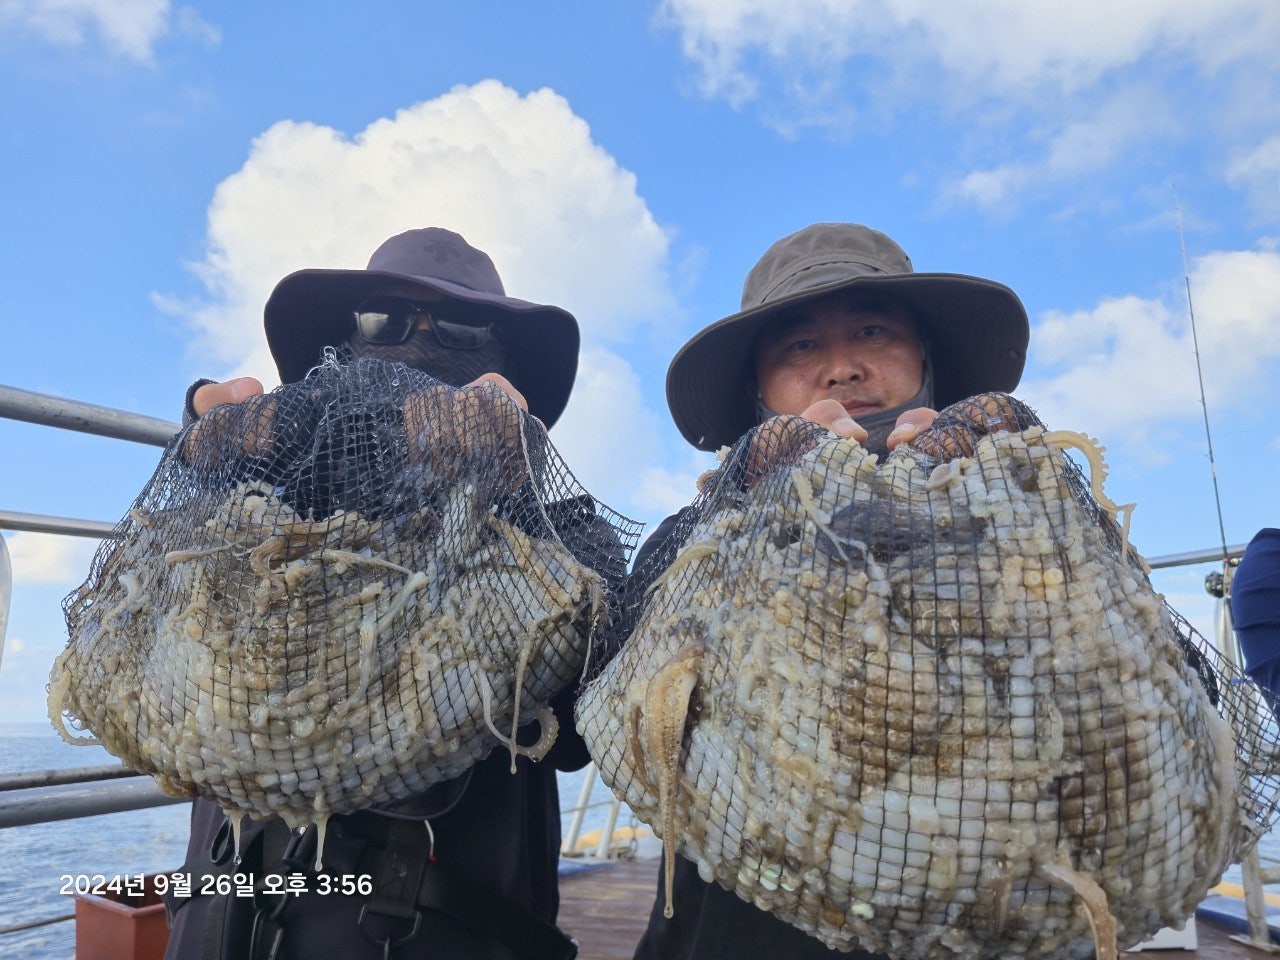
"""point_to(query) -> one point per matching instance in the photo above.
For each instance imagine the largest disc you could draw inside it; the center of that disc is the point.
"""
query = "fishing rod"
(1204, 406)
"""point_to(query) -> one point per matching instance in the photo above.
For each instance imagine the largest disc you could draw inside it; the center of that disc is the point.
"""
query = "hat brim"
(312, 309)
(977, 331)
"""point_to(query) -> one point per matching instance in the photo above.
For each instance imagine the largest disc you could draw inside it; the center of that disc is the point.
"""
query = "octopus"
(929, 707)
(298, 663)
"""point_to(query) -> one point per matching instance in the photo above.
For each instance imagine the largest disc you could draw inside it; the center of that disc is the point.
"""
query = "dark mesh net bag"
(929, 706)
(339, 593)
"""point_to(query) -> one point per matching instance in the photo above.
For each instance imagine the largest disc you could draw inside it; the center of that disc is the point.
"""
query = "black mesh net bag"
(338, 593)
(928, 706)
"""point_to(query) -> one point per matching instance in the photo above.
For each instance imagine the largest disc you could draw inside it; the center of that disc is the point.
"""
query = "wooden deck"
(605, 909)
(1215, 943)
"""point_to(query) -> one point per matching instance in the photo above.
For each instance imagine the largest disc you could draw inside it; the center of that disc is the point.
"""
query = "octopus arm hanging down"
(659, 733)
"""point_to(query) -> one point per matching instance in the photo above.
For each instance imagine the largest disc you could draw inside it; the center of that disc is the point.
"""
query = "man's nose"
(844, 366)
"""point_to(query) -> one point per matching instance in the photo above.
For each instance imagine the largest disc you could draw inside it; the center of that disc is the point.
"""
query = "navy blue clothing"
(1255, 608)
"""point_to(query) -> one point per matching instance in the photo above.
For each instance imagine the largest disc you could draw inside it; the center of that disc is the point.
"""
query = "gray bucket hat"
(312, 309)
(977, 330)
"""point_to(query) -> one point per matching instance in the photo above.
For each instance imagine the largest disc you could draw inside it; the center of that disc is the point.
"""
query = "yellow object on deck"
(1237, 891)
(622, 836)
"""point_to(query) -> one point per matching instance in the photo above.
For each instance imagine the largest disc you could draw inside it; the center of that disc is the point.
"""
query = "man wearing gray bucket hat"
(429, 300)
(835, 327)
(972, 332)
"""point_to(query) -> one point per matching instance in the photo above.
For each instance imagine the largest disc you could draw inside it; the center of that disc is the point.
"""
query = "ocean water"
(36, 860)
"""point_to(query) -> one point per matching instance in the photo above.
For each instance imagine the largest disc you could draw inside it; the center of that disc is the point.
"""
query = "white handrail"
(6, 591)
(570, 842)
(604, 847)
(50, 411)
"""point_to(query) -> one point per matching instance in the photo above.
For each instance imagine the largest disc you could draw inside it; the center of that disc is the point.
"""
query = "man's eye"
(801, 346)
(871, 331)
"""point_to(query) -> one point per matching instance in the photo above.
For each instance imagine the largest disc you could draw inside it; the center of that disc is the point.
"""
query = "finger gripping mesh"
(929, 706)
(337, 594)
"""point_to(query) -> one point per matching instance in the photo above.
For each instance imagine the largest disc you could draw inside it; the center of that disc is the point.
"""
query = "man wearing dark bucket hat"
(835, 327)
(384, 311)
(430, 300)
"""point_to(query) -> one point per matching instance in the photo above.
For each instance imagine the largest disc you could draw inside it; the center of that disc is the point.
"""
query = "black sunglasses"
(391, 320)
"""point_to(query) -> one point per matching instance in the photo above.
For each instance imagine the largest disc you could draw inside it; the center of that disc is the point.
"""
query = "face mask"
(424, 352)
(881, 423)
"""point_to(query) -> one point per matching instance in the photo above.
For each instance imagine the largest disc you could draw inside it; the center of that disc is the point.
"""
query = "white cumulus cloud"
(40, 558)
(1258, 171)
(126, 28)
(1005, 47)
(1035, 94)
(1128, 365)
(607, 434)
(1095, 138)
(666, 491)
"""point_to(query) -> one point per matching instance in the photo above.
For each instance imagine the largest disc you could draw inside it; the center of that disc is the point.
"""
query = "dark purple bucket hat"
(977, 329)
(312, 309)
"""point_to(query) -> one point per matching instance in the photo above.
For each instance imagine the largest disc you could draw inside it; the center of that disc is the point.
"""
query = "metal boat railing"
(43, 796)
(6, 591)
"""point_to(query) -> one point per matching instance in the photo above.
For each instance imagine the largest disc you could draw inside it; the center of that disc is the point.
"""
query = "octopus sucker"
(1093, 452)
(548, 729)
(976, 732)
(60, 683)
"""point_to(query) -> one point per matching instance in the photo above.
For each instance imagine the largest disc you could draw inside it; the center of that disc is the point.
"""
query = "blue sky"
(163, 166)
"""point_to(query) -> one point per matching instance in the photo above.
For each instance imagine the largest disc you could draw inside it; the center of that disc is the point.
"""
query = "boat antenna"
(1204, 407)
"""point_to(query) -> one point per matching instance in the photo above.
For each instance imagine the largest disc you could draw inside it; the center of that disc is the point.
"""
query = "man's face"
(431, 348)
(861, 350)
